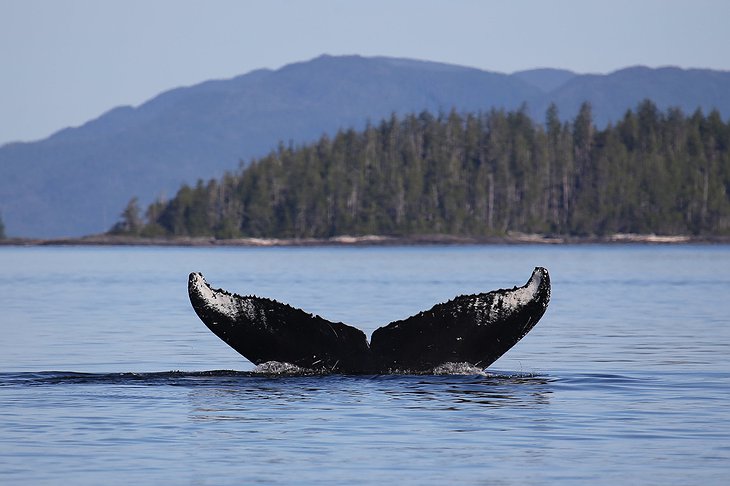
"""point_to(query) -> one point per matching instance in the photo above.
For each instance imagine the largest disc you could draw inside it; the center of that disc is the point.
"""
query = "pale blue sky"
(67, 61)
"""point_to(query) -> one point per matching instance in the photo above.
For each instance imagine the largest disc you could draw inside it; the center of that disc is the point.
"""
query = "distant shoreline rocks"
(369, 240)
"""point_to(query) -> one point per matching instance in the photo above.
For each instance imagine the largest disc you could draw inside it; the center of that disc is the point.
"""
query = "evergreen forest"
(483, 174)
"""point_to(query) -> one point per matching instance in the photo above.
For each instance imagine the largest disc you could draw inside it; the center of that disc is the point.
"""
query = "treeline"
(475, 174)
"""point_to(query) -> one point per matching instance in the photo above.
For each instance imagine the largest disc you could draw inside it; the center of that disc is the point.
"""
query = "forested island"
(481, 175)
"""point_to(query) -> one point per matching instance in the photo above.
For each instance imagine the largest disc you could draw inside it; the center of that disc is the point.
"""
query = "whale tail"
(265, 330)
(477, 329)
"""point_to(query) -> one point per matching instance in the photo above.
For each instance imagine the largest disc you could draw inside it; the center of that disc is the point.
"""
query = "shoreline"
(369, 240)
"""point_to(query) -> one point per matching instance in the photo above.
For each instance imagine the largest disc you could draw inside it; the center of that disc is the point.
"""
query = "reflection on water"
(219, 425)
(445, 391)
(385, 392)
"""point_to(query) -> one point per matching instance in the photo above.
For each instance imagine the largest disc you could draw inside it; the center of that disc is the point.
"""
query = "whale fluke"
(475, 329)
(264, 330)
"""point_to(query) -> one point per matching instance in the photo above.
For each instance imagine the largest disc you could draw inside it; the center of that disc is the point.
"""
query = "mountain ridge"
(77, 180)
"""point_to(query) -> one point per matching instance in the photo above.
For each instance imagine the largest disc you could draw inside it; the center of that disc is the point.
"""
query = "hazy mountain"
(78, 180)
(610, 95)
(545, 79)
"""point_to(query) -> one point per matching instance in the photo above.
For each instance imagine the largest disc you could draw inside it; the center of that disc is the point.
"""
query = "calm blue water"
(108, 377)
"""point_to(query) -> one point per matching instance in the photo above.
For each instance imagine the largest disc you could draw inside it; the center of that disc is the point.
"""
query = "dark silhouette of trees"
(131, 222)
(471, 174)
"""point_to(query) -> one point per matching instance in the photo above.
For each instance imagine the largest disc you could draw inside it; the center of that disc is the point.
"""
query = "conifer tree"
(131, 222)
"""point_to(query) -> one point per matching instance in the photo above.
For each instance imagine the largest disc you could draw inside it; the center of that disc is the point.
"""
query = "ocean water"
(108, 377)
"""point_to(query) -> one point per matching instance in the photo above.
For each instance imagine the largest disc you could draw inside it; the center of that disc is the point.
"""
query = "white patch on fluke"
(514, 299)
(230, 306)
